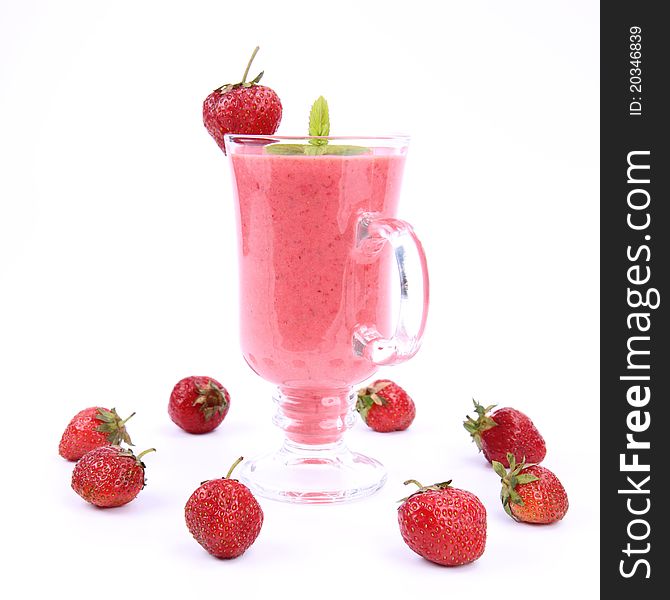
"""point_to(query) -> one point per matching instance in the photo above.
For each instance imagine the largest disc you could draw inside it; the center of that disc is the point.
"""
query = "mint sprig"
(311, 150)
(319, 121)
(319, 126)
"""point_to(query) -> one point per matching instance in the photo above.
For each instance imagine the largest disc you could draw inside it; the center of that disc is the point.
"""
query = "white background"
(118, 277)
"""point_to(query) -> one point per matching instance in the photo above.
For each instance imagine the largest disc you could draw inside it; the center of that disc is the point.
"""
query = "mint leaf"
(319, 121)
(312, 150)
(315, 150)
(319, 125)
(289, 149)
(342, 150)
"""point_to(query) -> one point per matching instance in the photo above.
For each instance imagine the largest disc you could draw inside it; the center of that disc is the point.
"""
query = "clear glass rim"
(376, 140)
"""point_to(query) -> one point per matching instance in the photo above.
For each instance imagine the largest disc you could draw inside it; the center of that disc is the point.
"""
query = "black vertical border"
(622, 133)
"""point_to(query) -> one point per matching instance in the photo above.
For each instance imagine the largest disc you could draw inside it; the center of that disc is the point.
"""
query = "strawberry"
(531, 493)
(243, 107)
(223, 516)
(506, 430)
(198, 404)
(91, 428)
(443, 524)
(385, 406)
(109, 476)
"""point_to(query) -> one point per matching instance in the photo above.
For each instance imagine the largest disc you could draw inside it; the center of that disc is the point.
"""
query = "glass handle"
(372, 235)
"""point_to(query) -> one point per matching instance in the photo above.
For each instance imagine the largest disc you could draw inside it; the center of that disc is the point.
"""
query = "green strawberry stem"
(415, 482)
(211, 400)
(237, 462)
(226, 87)
(141, 454)
(113, 427)
(127, 418)
(246, 71)
(483, 423)
(510, 480)
(436, 487)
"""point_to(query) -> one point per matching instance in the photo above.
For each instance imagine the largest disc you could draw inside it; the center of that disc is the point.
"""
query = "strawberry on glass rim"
(244, 107)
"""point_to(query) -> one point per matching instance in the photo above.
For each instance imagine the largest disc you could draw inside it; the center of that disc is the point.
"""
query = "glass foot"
(322, 474)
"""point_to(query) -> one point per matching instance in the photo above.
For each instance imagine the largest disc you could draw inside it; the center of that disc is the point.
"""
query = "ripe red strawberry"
(385, 406)
(244, 107)
(109, 476)
(198, 404)
(532, 494)
(223, 516)
(506, 430)
(443, 524)
(91, 428)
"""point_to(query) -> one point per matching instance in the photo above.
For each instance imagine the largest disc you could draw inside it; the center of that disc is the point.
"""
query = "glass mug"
(317, 238)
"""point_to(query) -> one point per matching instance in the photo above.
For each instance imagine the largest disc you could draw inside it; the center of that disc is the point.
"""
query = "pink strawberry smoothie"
(304, 288)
